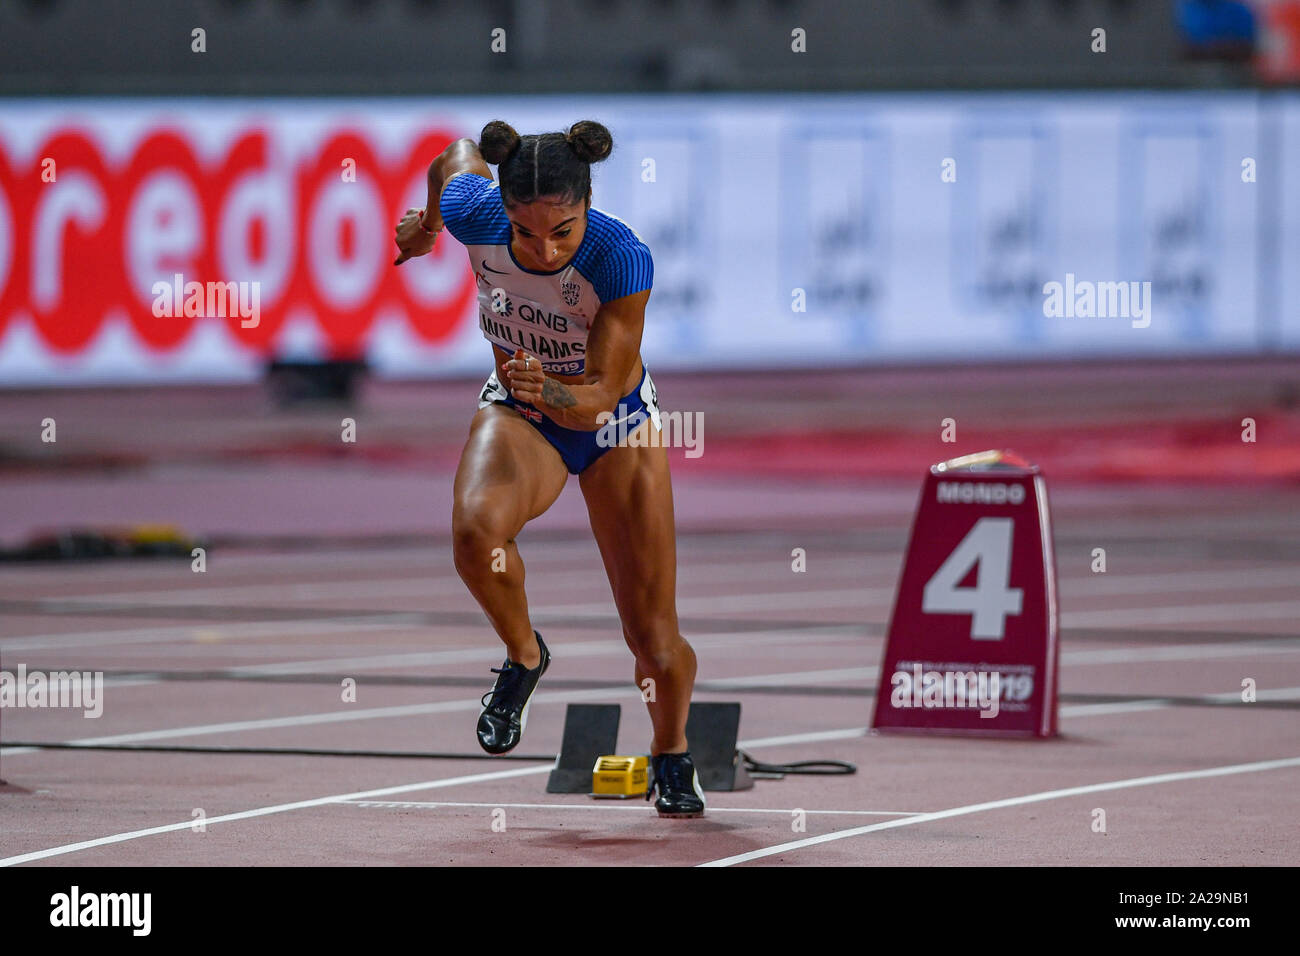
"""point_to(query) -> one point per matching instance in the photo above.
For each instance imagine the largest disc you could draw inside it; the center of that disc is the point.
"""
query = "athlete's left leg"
(630, 503)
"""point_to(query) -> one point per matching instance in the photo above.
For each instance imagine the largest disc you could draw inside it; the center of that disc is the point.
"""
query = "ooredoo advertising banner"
(169, 242)
(175, 240)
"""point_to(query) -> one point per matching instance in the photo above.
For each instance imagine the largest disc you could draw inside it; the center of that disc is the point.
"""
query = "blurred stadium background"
(900, 191)
(918, 173)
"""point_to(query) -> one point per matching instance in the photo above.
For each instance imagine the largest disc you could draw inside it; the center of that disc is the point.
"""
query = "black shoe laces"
(504, 695)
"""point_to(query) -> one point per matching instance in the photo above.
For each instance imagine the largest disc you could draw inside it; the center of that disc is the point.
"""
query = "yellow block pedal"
(619, 777)
(156, 534)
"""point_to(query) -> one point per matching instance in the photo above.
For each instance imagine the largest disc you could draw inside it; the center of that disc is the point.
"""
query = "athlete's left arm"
(613, 346)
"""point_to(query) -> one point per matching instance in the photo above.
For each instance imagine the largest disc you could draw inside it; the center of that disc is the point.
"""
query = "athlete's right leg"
(508, 475)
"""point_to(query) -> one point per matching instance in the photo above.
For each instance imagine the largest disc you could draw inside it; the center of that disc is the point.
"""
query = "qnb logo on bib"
(558, 339)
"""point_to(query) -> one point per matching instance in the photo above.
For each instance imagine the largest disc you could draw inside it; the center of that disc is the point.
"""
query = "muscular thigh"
(630, 503)
(507, 468)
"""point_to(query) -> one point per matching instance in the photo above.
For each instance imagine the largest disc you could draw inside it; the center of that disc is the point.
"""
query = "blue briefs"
(580, 448)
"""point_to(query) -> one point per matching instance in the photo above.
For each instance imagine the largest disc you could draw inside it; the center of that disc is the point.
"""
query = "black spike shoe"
(680, 793)
(505, 708)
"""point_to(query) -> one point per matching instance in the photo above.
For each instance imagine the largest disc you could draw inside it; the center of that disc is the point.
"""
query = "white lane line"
(436, 558)
(223, 631)
(808, 636)
(767, 601)
(493, 651)
(266, 811)
(474, 778)
(366, 794)
(468, 655)
(811, 737)
(642, 807)
(821, 635)
(728, 567)
(1181, 652)
(812, 635)
(407, 710)
(427, 585)
(1120, 707)
(736, 567)
(1106, 585)
(1234, 612)
(792, 678)
(385, 620)
(882, 598)
(1073, 710)
(328, 717)
(780, 600)
(1159, 703)
(815, 634)
(839, 675)
(333, 716)
(1223, 771)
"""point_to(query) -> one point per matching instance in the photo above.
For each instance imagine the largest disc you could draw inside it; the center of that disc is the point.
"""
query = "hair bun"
(498, 142)
(589, 140)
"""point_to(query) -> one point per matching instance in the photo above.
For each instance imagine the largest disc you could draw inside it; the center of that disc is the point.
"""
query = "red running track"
(329, 565)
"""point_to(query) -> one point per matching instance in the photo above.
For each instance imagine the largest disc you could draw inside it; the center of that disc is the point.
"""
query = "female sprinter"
(562, 290)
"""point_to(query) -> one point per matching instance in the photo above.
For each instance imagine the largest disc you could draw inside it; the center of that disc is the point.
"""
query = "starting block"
(973, 639)
(590, 731)
(619, 777)
(296, 382)
(711, 731)
(591, 736)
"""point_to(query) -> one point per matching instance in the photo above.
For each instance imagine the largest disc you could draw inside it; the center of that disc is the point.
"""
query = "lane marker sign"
(973, 639)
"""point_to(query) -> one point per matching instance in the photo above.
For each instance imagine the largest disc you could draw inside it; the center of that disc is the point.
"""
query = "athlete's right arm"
(461, 156)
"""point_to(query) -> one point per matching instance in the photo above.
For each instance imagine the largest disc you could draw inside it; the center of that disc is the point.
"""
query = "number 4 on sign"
(988, 544)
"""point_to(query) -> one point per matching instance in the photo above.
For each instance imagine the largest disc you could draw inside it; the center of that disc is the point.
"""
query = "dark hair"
(546, 164)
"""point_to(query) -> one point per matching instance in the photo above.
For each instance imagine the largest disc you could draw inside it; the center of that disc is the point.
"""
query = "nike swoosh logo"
(490, 269)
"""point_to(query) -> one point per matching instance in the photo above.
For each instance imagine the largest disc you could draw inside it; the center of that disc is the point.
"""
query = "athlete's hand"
(412, 241)
(524, 377)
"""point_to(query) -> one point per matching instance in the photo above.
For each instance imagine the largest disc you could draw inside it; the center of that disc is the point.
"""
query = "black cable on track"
(823, 768)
